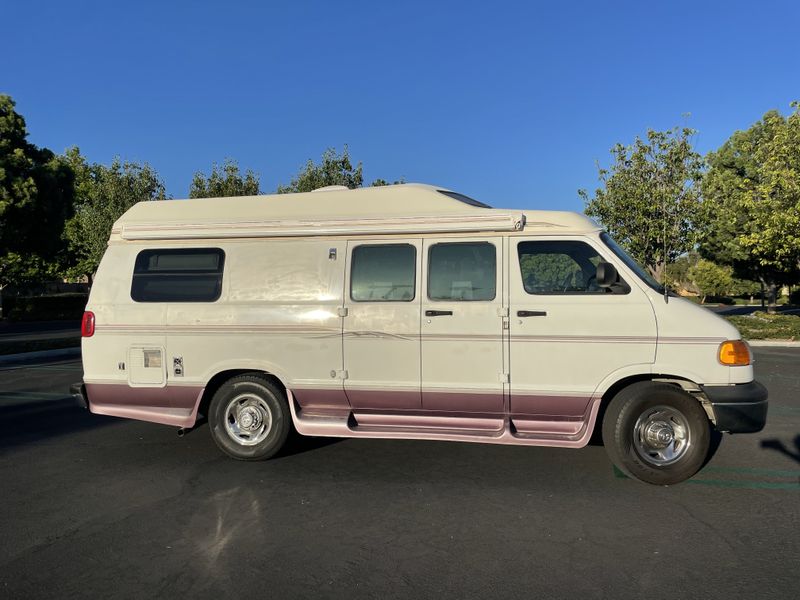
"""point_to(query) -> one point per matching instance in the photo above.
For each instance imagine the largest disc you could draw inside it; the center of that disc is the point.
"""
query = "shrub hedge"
(61, 307)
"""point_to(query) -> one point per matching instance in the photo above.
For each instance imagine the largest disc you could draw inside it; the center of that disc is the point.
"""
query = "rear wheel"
(249, 418)
(656, 433)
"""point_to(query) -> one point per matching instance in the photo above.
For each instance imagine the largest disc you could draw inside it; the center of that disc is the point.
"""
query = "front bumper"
(78, 391)
(740, 408)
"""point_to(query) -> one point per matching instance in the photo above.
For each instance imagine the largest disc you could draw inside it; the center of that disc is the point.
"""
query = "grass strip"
(763, 326)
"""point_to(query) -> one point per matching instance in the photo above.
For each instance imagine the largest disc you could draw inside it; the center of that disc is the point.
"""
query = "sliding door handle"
(531, 313)
(438, 313)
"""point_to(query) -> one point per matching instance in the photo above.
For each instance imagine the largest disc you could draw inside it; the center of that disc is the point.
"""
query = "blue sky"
(511, 103)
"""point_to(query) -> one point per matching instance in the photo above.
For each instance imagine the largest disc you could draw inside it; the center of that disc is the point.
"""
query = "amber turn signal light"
(734, 353)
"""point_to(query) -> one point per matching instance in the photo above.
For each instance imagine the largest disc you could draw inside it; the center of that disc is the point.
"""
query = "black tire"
(642, 418)
(249, 418)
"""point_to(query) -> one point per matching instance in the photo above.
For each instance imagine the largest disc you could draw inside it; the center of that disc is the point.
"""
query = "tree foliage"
(752, 201)
(650, 198)
(224, 181)
(36, 197)
(710, 279)
(547, 272)
(677, 272)
(103, 194)
(333, 169)
(382, 182)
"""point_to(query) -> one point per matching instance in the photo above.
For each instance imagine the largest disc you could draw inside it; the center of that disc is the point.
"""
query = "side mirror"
(606, 275)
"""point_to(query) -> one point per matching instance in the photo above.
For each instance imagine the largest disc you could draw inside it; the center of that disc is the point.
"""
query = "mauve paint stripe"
(490, 402)
(545, 405)
(456, 401)
(171, 405)
(321, 399)
(121, 394)
(384, 399)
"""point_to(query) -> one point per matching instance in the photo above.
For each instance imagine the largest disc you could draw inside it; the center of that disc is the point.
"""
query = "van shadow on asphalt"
(779, 446)
(30, 417)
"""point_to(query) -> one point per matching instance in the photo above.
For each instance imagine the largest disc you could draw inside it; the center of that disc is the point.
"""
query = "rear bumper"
(740, 408)
(78, 391)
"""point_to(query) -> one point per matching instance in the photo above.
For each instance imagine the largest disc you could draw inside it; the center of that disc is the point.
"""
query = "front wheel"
(656, 433)
(249, 418)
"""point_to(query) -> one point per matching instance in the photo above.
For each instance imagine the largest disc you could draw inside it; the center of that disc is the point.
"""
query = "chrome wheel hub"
(248, 419)
(662, 436)
(659, 435)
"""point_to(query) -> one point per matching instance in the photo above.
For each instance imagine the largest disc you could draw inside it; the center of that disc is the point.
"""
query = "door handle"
(531, 313)
(438, 313)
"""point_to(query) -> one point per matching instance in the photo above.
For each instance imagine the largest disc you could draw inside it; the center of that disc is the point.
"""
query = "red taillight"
(87, 324)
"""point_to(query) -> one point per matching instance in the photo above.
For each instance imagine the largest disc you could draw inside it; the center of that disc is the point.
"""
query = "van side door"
(567, 334)
(381, 329)
(462, 326)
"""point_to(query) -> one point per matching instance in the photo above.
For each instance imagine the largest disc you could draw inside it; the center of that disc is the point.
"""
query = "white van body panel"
(687, 335)
(377, 368)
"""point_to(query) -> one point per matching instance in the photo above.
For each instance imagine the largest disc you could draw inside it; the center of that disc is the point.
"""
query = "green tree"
(224, 181)
(333, 169)
(745, 287)
(678, 272)
(547, 272)
(382, 182)
(103, 194)
(650, 198)
(752, 201)
(710, 279)
(36, 197)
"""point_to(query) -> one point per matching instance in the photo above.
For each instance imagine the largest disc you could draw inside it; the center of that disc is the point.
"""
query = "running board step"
(464, 425)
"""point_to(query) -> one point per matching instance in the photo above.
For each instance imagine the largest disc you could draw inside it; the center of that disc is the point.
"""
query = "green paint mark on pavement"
(753, 470)
(758, 485)
(741, 484)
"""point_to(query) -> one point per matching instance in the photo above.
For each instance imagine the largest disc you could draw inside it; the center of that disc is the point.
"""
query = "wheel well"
(220, 378)
(618, 386)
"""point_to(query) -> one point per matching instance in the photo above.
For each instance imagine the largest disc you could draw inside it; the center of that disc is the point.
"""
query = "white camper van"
(407, 311)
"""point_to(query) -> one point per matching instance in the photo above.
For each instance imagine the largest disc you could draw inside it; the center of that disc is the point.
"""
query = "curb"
(773, 343)
(23, 357)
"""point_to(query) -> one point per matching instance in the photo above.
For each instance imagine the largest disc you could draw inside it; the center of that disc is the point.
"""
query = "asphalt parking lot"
(97, 507)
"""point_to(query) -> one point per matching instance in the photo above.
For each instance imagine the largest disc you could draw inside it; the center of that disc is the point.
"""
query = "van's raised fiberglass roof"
(402, 208)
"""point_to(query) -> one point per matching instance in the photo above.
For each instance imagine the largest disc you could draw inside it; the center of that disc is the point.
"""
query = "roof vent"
(332, 188)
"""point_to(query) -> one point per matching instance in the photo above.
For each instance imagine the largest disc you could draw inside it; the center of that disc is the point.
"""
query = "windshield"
(631, 264)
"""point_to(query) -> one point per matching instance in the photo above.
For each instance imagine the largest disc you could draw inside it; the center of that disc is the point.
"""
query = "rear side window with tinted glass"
(462, 271)
(178, 275)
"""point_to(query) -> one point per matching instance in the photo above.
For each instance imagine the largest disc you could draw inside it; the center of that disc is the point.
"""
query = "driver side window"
(559, 267)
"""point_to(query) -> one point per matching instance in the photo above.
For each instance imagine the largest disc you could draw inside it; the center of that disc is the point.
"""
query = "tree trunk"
(761, 280)
(659, 272)
(772, 293)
